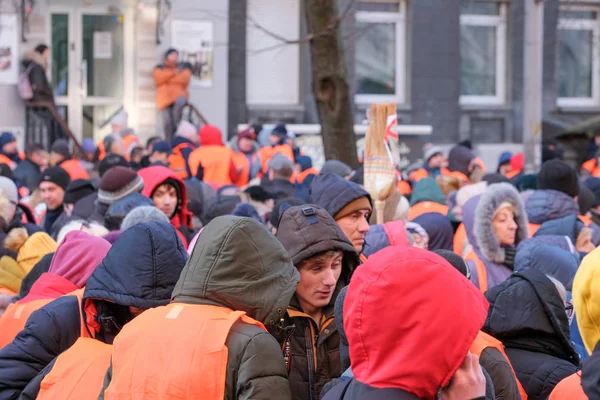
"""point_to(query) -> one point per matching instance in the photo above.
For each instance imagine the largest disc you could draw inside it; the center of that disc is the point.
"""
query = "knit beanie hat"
(61, 146)
(187, 130)
(336, 167)
(110, 161)
(117, 183)
(56, 175)
(362, 203)
(558, 175)
(6, 138)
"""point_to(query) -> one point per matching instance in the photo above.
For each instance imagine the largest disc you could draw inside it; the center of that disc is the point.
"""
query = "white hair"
(559, 287)
(91, 228)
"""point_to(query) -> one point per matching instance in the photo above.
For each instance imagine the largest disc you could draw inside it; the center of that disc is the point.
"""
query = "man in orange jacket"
(172, 79)
(61, 156)
(216, 159)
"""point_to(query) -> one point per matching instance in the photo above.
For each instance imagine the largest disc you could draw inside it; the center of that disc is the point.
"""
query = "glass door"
(88, 67)
(101, 65)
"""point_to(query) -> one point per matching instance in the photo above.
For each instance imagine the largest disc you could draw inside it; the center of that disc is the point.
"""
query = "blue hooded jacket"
(140, 270)
(545, 205)
(333, 192)
(439, 229)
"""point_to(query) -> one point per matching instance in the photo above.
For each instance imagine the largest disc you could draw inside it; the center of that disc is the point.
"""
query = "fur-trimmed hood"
(34, 56)
(494, 196)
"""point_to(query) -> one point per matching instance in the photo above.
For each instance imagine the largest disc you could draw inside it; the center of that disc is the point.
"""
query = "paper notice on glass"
(9, 40)
(194, 41)
(103, 45)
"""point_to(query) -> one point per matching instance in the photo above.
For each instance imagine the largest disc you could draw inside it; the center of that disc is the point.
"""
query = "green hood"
(427, 189)
(237, 263)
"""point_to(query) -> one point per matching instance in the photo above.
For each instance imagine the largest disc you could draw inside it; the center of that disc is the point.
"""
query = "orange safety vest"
(586, 221)
(513, 173)
(266, 153)
(9, 292)
(481, 270)
(185, 359)
(484, 341)
(6, 160)
(74, 169)
(177, 161)
(216, 161)
(460, 236)
(425, 207)
(14, 318)
(304, 174)
(128, 142)
(243, 166)
(590, 165)
(569, 388)
(78, 373)
(421, 173)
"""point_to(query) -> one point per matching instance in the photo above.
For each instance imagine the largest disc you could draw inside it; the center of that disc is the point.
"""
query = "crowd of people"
(199, 269)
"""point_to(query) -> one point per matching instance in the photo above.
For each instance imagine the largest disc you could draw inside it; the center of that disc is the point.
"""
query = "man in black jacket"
(35, 63)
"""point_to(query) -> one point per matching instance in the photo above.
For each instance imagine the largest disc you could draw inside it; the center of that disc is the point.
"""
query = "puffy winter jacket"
(528, 316)
(545, 205)
(171, 83)
(140, 270)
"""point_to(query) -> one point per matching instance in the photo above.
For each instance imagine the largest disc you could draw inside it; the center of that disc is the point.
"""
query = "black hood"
(590, 374)
(526, 312)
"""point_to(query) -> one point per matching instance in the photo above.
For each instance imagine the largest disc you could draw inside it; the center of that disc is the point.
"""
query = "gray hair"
(143, 214)
(559, 287)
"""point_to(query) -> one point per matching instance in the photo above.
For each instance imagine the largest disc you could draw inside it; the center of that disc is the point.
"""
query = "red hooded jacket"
(154, 177)
(410, 319)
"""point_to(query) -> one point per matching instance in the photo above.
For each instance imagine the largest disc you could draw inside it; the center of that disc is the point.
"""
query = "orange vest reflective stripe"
(460, 236)
(14, 318)
(425, 207)
(177, 161)
(186, 358)
(216, 161)
(533, 228)
(304, 174)
(78, 373)
(74, 169)
(589, 165)
(484, 341)
(569, 388)
(481, 270)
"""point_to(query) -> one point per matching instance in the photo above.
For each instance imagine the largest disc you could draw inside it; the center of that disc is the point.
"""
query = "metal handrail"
(63, 124)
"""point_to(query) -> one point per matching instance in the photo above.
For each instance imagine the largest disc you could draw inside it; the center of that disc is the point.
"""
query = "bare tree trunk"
(330, 82)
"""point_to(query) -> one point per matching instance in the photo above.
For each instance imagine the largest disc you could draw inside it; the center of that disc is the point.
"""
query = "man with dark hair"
(53, 185)
(29, 170)
(161, 151)
(61, 156)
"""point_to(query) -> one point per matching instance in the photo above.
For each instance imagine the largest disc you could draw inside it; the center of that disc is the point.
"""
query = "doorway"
(89, 66)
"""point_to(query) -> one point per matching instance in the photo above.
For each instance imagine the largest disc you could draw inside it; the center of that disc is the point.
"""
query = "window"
(482, 53)
(380, 44)
(578, 61)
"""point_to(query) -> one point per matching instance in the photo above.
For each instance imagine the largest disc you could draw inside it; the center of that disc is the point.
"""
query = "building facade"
(456, 65)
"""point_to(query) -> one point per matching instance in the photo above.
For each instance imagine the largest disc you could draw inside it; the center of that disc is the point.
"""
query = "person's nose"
(329, 278)
(363, 225)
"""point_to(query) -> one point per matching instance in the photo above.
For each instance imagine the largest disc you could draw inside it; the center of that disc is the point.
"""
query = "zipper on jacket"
(312, 361)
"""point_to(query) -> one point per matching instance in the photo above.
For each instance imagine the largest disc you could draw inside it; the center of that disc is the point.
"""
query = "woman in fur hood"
(496, 223)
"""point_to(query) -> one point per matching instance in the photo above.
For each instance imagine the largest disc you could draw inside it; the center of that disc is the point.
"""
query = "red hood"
(517, 162)
(396, 233)
(48, 286)
(155, 176)
(210, 136)
(410, 319)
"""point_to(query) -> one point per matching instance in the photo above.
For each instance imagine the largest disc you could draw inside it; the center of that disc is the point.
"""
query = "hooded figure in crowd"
(398, 357)
(217, 160)
(74, 261)
(11, 213)
(325, 260)
(212, 341)
(495, 223)
(535, 336)
(169, 195)
(427, 197)
(439, 229)
(585, 384)
(139, 272)
(183, 144)
(380, 236)
(348, 203)
(572, 227)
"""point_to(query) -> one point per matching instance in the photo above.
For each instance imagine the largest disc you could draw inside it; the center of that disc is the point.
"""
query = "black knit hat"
(455, 260)
(56, 175)
(77, 190)
(61, 146)
(111, 160)
(558, 175)
(117, 183)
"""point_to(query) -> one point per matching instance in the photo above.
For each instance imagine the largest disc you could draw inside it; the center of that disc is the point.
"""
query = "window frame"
(499, 22)
(399, 19)
(592, 25)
